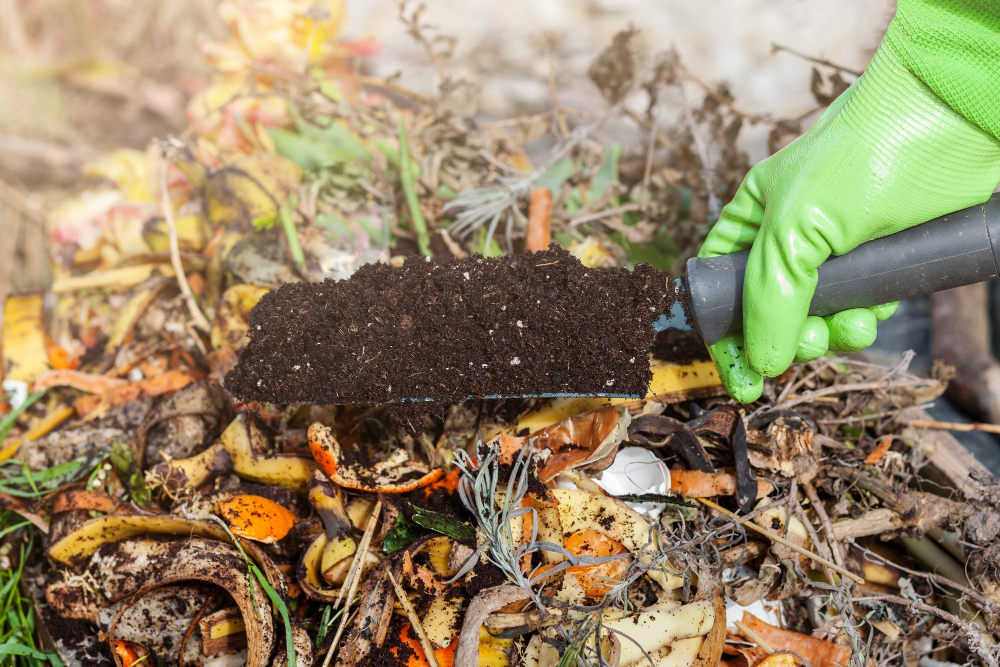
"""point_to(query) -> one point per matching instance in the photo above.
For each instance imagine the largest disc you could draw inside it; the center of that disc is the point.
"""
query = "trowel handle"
(953, 250)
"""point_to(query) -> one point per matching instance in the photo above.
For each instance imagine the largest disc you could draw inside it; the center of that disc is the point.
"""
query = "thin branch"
(780, 540)
(777, 48)
(175, 253)
(714, 94)
(952, 426)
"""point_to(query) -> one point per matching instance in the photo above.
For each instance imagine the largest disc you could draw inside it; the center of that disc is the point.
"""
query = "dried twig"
(824, 518)
(711, 92)
(353, 578)
(175, 253)
(415, 623)
(550, 43)
(618, 210)
(777, 48)
(780, 540)
(952, 426)
(707, 164)
(753, 636)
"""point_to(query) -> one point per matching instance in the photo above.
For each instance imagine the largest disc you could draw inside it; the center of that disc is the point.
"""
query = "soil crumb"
(515, 325)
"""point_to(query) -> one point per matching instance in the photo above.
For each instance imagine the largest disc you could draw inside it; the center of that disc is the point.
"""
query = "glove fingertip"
(852, 330)
(742, 383)
(884, 311)
(814, 340)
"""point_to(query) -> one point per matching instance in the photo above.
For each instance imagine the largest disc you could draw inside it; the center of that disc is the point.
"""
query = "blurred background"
(80, 77)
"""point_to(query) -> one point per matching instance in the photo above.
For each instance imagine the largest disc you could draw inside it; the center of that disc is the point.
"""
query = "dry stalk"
(780, 540)
(952, 426)
(353, 578)
(411, 614)
(753, 636)
(777, 48)
(199, 318)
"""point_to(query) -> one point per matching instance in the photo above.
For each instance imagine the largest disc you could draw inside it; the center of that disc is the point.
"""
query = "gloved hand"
(887, 155)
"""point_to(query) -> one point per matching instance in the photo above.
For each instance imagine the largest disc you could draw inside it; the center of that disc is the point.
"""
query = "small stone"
(520, 324)
(465, 274)
(516, 361)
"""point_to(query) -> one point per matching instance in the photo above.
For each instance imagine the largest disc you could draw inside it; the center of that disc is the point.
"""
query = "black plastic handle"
(953, 250)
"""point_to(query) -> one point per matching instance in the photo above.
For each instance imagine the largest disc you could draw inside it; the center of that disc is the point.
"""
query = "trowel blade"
(677, 318)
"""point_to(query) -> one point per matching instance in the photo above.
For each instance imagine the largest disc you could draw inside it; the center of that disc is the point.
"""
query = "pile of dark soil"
(515, 325)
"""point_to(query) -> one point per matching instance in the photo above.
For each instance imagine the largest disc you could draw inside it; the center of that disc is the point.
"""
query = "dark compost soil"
(523, 324)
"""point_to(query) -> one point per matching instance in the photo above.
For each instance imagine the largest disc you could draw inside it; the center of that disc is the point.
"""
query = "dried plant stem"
(353, 578)
(550, 43)
(410, 192)
(824, 518)
(753, 636)
(707, 166)
(776, 48)
(780, 540)
(647, 171)
(855, 386)
(711, 92)
(199, 318)
(953, 426)
(411, 614)
(627, 208)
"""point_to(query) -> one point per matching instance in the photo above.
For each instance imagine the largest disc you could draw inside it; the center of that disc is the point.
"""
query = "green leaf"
(130, 473)
(402, 534)
(445, 525)
(555, 176)
(8, 421)
(494, 250)
(282, 611)
(391, 154)
(660, 253)
(11, 647)
(315, 145)
(446, 193)
(608, 173)
(265, 223)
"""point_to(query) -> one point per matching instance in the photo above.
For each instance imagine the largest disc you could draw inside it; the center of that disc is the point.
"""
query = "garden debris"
(205, 473)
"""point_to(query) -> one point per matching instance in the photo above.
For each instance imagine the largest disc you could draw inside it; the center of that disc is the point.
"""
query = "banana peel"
(242, 447)
(671, 383)
(232, 317)
(250, 189)
(25, 355)
(192, 234)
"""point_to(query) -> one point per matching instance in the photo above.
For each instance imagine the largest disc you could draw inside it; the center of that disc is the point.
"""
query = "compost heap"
(151, 516)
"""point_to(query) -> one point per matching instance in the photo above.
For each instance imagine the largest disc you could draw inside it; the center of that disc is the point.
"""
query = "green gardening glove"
(887, 155)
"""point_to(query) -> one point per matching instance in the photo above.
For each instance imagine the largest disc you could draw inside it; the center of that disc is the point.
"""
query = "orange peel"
(397, 474)
(256, 518)
(593, 578)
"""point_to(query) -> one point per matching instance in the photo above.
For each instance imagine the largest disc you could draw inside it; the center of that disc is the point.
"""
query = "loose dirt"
(515, 325)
